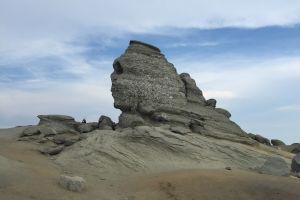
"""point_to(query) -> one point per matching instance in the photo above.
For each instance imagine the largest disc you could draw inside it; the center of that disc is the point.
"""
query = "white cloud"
(87, 99)
(289, 108)
(241, 78)
(223, 94)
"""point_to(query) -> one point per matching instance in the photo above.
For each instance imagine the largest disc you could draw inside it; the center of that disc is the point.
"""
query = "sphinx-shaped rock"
(149, 91)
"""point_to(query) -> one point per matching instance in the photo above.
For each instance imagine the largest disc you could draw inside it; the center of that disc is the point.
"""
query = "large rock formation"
(149, 91)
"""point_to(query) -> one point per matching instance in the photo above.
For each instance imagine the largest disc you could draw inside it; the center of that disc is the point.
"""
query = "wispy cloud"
(289, 108)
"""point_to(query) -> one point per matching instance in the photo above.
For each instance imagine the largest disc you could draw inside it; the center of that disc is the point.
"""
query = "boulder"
(211, 102)
(72, 183)
(276, 142)
(275, 166)
(295, 167)
(106, 123)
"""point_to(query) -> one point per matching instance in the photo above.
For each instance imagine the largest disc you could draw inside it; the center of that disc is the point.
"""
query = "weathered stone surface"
(130, 120)
(72, 183)
(66, 139)
(276, 142)
(46, 130)
(30, 131)
(192, 92)
(211, 103)
(180, 130)
(275, 166)
(52, 150)
(60, 123)
(106, 123)
(143, 75)
(223, 112)
(87, 127)
(295, 167)
(148, 91)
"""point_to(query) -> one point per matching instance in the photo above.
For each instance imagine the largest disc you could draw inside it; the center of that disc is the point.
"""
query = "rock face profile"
(166, 124)
(149, 91)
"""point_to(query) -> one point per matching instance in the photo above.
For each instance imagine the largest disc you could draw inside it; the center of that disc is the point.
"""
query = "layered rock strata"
(149, 91)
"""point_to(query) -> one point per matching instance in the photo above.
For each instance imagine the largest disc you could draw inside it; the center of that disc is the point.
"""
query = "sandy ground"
(26, 174)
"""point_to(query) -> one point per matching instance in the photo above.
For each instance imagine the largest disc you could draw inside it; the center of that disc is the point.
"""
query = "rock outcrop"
(149, 91)
(55, 132)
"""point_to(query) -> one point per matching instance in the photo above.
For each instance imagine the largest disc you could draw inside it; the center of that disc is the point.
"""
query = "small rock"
(72, 183)
(52, 150)
(295, 167)
(228, 168)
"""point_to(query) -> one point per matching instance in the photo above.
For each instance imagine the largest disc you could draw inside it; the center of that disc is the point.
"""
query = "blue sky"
(56, 57)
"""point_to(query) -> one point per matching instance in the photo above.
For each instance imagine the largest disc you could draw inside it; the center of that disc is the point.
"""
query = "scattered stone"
(180, 130)
(211, 103)
(276, 142)
(72, 183)
(274, 166)
(295, 167)
(52, 150)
